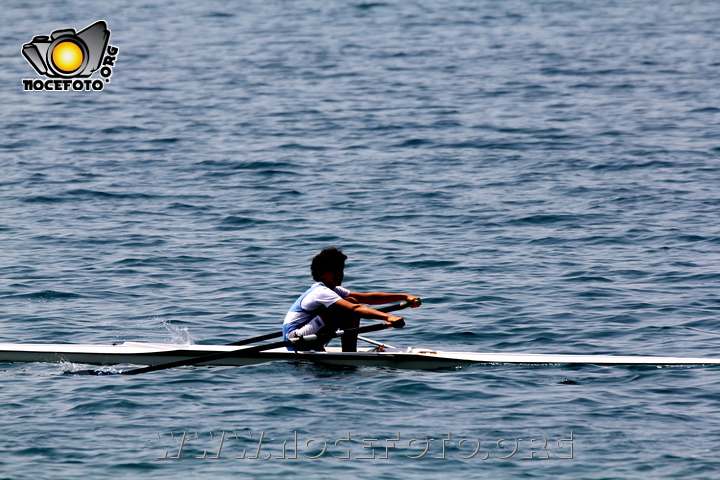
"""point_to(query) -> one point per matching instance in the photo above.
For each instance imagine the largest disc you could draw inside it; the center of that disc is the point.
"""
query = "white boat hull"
(136, 353)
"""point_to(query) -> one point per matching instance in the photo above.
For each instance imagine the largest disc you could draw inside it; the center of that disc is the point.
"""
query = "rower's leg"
(314, 327)
(349, 341)
(339, 318)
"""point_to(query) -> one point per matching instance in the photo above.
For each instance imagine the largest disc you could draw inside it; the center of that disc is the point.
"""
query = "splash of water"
(178, 335)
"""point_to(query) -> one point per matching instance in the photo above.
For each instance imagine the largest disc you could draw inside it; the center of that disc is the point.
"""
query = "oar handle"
(244, 352)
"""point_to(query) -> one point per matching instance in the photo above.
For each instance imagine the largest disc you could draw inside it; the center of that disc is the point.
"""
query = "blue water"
(544, 174)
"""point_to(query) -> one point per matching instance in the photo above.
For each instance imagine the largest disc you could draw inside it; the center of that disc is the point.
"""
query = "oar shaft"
(395, 306)
(261, 338)
(243, 352)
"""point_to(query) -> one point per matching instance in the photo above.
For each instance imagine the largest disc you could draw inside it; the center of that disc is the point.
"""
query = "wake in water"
(70, 368)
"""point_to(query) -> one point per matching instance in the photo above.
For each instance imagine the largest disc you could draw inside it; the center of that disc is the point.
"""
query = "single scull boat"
(137, 353)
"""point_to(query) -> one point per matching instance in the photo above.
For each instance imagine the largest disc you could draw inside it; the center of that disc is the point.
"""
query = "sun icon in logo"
(67, 56)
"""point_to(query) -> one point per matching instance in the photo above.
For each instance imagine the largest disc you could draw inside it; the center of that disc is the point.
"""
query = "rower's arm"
(380, 298)
(365, 312)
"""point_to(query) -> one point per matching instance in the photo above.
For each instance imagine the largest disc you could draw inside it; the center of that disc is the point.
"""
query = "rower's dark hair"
(330, 259)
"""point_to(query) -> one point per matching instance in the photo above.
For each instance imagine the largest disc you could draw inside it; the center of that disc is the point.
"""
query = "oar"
(390, 308)
(398, 306)
(246, 352)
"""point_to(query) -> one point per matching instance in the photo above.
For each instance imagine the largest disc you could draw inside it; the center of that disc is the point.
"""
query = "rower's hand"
(396, 322)
(413, 301)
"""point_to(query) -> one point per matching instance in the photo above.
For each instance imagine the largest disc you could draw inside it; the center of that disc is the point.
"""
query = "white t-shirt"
(311, 303)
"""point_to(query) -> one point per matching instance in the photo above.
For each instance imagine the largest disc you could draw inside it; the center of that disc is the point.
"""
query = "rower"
(326, 306)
